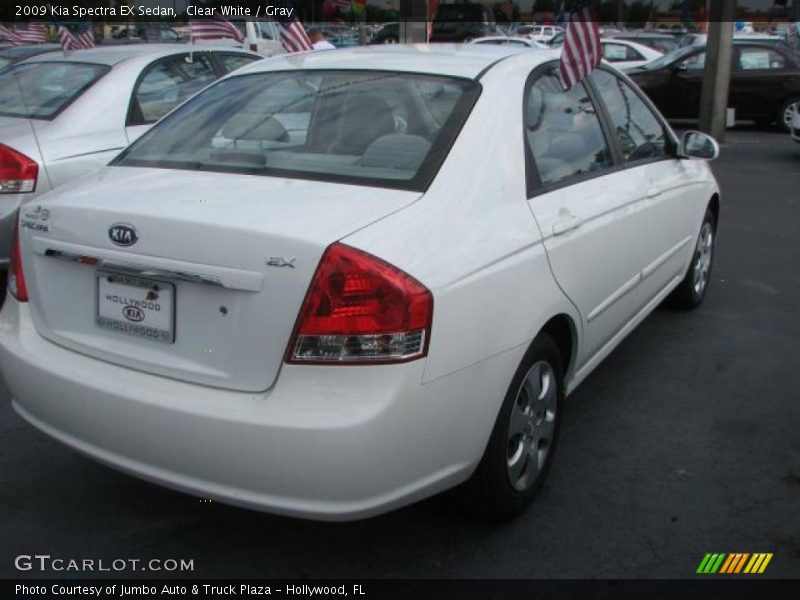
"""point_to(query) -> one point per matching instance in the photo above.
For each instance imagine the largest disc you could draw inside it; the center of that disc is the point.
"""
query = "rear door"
(163, 85)
(588, 209)
(758, 81)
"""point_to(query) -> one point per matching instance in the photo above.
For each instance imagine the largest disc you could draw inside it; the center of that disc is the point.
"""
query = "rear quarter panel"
(473, 241)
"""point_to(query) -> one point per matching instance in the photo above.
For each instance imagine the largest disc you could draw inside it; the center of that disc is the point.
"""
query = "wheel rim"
(704, 251)
(532, 426)
(788, 114)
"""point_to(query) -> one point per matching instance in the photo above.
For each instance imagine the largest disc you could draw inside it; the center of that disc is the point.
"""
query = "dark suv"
(462, 22)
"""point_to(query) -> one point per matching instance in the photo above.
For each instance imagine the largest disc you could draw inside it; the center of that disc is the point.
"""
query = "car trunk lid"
(227, 259)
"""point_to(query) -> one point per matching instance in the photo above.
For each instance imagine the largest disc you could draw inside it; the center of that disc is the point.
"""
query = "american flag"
(581, 52)
(9, 36)
(507, 8)
(214, 29)
(293, 36)
(31, 33)
(84, 38)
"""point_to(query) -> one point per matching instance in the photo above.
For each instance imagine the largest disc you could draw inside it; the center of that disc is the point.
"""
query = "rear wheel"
(521, 447)
(787, 112)
(691, 291)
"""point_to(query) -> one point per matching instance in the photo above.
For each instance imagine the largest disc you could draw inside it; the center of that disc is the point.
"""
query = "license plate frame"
(126, 325)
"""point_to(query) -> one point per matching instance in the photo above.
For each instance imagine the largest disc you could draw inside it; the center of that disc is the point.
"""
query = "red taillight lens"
(361, 309)
(17, 172)
(16, 279)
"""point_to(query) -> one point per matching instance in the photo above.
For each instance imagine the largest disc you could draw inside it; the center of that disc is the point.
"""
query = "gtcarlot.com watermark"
(45, 563)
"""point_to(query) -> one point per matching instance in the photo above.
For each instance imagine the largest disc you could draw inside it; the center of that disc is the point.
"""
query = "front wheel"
(523, 440)
(691, 291)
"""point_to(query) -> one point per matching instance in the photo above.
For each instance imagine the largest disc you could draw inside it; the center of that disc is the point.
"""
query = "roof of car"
(26, 50)
(111, 55)
(457, 60)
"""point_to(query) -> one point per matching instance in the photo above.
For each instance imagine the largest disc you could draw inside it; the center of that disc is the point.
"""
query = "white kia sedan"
(334, 283)
(65, 115)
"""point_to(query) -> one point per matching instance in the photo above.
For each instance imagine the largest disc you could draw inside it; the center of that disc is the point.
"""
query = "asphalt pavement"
(686, 440)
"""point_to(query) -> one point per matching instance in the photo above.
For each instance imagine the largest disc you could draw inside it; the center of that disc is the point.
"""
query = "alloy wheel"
(532, 426)
(704, 250)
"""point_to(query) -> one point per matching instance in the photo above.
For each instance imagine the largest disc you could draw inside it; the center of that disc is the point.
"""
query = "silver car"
(63, 116)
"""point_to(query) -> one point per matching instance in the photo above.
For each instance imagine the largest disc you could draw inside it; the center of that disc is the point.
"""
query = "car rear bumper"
(330, 443)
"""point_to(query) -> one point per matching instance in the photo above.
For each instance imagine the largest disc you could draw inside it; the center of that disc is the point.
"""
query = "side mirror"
(696, 144)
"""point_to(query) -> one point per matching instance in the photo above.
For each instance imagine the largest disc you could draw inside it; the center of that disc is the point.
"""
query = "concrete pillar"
(716, 79)
(413, 25)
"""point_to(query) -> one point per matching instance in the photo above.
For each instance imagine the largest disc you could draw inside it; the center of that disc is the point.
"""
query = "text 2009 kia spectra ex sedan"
(334, 283)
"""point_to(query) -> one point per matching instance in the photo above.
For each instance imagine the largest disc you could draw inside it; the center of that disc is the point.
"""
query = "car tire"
(784, 116)
(690, 292)
(521, 447)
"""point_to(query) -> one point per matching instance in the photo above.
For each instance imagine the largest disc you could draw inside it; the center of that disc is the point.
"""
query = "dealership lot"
(683, 442)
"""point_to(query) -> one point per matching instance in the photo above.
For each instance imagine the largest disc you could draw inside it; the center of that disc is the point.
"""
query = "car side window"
(563, 131)
(231, 62)
(619, 53)
(755, 58)
(166, 84)
(696, 62)
(639, 132)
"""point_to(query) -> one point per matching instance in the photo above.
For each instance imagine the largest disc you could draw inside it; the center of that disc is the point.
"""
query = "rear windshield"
(364, 127)
(41, 90)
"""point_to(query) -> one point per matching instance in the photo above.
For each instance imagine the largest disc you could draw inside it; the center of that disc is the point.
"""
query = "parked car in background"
(625, 54)
(700, 39)
(764, 84)
(662, 42)
(297, 293)
(557, 40)
(389, 33)
(10, 55)
(158, 33)
(541, 33)
(504, 40)
(65, 115)
(462, 22)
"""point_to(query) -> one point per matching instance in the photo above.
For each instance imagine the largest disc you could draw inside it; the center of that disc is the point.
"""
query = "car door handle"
(568, 223)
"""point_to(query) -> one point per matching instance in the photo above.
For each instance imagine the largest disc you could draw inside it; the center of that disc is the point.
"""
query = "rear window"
(364, 127)
(43, 89)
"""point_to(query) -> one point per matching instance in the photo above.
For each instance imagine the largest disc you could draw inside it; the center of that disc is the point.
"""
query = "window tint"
(760, 58)
(619, 53)
(639, 133)
(364, 127)
(696, 62)
(41, 90)
(167, 83)
(563, 131)
(231, 62)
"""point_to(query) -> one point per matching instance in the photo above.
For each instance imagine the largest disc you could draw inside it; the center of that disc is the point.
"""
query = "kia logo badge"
(133, 313)
(122, 234)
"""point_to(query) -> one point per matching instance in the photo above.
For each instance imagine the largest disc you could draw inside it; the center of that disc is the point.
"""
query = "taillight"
(16, 278)
(361, 309)
(17, 172)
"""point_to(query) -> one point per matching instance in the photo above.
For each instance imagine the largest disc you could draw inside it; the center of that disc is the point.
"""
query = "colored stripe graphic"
(734, 563)
(758, 563)
(711, 563)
